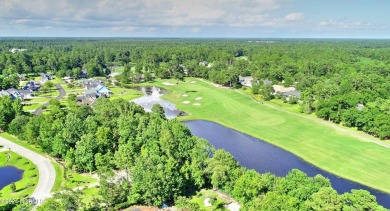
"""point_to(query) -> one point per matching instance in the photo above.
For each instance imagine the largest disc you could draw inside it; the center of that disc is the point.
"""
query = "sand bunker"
(207, 203)
(196, 104)
(198, 98)
(193, 82)
(185, 95)
(168, 84)
(186, 102)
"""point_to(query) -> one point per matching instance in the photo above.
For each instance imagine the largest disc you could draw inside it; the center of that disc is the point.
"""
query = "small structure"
(203, 63)
(16, 94)
(360, 106)
(245, 81)
(83, 74)
(288, 94)
(21, 77)
(45, 77)
(16, 50)
(267, 82)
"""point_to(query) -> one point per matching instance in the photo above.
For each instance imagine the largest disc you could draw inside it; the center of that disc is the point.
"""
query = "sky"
(196, 18)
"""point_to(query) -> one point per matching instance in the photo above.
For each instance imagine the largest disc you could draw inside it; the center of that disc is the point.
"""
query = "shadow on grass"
(191, 91)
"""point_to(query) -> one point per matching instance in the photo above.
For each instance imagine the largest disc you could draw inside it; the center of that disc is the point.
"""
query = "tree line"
(344, 81)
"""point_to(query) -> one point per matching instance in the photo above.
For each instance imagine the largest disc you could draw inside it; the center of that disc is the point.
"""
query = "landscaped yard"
(24, 187)
(331, 149)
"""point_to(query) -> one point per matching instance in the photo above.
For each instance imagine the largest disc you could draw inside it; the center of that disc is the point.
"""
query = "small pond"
(152, 96)
(256, 154)
(8, 175)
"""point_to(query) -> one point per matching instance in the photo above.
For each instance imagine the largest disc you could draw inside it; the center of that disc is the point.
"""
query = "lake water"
(152, 96)
(256, 154)
(8, 175)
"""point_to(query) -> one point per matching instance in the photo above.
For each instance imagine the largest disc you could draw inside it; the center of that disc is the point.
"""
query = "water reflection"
(256, 154)
(152, 95)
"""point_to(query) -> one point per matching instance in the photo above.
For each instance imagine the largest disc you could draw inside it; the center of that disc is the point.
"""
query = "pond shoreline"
(242, 153)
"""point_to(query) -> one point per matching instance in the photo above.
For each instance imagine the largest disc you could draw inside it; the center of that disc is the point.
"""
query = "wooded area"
(163, 163)
(344, 81)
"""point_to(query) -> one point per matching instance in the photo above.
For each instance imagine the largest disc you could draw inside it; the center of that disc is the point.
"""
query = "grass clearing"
(126, 94)
(24, 187)
(200, 197)
(332, 150)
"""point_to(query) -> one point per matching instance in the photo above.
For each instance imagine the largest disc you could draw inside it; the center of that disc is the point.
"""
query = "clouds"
(165, 17)
(297, 16)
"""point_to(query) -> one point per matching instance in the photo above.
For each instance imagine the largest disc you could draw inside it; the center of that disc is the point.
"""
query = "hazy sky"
(196, 18)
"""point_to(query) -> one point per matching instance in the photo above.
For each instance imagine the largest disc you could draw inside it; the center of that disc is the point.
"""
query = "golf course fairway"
(324, 146)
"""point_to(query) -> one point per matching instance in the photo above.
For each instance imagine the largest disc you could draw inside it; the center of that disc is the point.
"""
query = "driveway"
(59, 97)
(47, 174)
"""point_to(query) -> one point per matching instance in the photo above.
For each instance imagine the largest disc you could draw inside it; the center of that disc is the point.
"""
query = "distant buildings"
(95, 88)
(16, 50)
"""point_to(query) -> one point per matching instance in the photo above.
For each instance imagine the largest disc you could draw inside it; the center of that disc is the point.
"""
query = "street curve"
(47, 174)
(59, 97)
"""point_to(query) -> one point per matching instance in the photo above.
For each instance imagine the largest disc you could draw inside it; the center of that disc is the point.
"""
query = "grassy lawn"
(324, 146)
(32, 107)
(24, 187)
(127, 94)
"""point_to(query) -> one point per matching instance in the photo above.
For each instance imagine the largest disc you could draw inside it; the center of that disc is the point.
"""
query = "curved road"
(47, 174)
(59, 97)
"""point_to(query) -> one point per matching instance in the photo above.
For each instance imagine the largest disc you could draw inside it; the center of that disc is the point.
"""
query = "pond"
(256, 154)
(152, 96)
(8, 175)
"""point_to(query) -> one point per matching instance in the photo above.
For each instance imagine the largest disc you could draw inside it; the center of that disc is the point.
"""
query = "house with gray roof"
(45, 77)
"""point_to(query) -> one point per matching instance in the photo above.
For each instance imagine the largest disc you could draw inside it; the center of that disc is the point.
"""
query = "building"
(16, 50)
(245, 81)
(32, 85)
(45, 77)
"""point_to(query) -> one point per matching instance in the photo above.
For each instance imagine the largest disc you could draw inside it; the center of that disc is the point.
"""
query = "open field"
(26, 185)
(327, 147)
(126, 94)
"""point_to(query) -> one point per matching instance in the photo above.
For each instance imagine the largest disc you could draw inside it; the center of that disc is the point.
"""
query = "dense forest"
(344, 81)
(163, 163)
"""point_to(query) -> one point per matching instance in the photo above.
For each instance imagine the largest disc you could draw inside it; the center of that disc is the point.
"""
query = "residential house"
(15, 93)
(32, 85)
(245, 81)
(45, 77)
(27, 94)
(294, 93)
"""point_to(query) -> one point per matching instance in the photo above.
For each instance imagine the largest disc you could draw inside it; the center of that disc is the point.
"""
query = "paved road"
(47, 174)
(59, 97)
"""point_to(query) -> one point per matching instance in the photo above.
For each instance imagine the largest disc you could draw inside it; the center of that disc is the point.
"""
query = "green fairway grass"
(320, 144)
(25, 186)
(126, 94)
